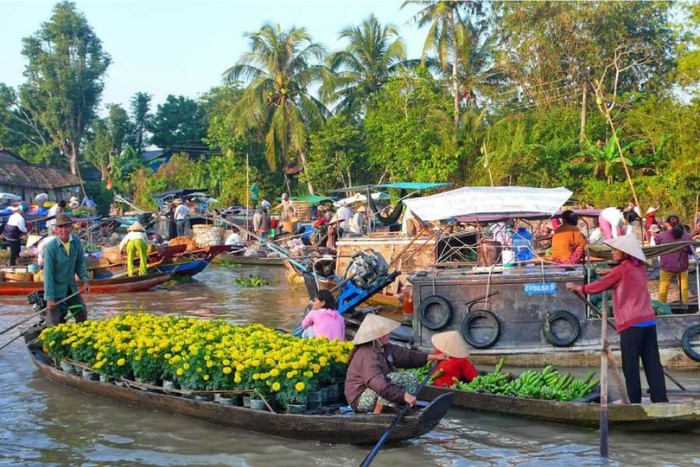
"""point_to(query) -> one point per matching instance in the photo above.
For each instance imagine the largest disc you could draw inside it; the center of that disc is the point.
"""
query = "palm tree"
(373, 53)
(475, 52)
(277, 99)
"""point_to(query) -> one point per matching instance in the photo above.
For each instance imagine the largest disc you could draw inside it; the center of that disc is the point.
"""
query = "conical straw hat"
(629, 244)
(33, 240)
(450, 343)
(373, 327)
(136, 227)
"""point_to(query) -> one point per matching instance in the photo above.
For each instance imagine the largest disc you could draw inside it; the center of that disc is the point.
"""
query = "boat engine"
(367, 268)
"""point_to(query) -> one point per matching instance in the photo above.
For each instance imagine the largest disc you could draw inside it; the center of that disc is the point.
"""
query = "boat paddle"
(612, 325)
(375, 450)
(39, 313)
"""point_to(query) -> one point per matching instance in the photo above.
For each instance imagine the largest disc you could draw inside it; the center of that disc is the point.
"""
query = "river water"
(46, 424)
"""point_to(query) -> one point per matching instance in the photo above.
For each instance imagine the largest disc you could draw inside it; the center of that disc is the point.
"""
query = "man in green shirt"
(255, 193)
(63, 259)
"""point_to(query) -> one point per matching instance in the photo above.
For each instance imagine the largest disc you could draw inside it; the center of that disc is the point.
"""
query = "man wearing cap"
(136, 243)
(458, 368)
(288, 210)
(358, 221)
(634, 317)
(15, 227)
(63, 260)
(372, 381)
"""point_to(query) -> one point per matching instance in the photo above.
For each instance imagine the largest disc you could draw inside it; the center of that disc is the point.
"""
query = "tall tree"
(372, 55)
(277, 100)
(179, 125)
(107, 139)
(142, 118)
(65, 78)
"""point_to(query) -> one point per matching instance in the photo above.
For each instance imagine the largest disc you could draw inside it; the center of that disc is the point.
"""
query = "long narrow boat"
(334, 428)
(101, 286)
(681, 414)
(250, 260)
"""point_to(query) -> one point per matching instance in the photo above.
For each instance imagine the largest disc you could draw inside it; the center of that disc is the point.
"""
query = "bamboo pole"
(604, 380)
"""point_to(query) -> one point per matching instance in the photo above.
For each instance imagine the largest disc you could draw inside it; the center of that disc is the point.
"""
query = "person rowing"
(372, 381)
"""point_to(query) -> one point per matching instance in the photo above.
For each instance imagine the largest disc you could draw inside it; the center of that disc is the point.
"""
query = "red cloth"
(460, 368)
(631, 301)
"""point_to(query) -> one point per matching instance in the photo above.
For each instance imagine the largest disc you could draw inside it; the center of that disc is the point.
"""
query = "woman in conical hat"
(634, 317)
(371, 381)
(458, 368)
(136, 243)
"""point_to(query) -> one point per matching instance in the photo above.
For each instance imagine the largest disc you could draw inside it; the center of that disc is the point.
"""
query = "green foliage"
(250, 281)
(408, 130)
(179, 125)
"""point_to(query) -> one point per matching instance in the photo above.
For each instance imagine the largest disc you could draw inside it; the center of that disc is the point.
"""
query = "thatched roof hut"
(27, 180)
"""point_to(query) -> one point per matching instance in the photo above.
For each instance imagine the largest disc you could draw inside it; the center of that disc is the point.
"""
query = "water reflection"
(46, 424)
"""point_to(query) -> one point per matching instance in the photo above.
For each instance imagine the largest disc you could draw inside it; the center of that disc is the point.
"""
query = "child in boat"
(634, 317)
(324, 320)
(458, 368)
(371, 381)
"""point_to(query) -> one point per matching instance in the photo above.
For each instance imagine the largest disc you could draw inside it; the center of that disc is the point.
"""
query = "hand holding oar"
(375, 450)
(39, 313)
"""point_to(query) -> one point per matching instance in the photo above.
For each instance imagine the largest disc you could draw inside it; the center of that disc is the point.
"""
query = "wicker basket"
(207, 235)
(303, 210)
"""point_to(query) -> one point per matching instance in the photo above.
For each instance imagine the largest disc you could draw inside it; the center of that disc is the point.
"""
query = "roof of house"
(18, 172)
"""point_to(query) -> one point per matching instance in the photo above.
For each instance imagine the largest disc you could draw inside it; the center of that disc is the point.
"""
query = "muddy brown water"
(46, 424)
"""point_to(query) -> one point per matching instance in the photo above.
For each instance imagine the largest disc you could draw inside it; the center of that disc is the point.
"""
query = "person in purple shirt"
(674, 264)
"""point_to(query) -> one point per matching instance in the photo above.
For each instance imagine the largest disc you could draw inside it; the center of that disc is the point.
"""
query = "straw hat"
(627, 244)
(450, 343)
(654, 228)
(373, 327)
(33, 240)
(63, 219)
(334, 219)
(361, 208)
(136, 227)
(650, 210)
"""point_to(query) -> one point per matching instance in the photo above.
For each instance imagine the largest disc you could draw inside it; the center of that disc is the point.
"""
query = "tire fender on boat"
(437, 306)
(467, 326)
(686, 341)
(559, 341)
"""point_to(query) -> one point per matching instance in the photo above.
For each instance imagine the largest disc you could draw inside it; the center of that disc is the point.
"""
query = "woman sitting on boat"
(371, 381)
(324, 320)
(674, 264)
(458, 368)
(568, 243)
(634, 317)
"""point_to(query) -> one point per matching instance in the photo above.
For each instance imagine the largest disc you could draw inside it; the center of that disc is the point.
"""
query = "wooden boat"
(106, 268)
(333, 428)
(101, 286)
(252, 260)
(680, 414)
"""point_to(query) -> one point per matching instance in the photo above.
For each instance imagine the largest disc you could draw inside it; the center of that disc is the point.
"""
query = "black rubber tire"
(429, 304)
(566, 316)
(688, 335)
(492, 319)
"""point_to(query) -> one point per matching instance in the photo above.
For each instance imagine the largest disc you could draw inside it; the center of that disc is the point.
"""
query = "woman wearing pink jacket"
(324, 320)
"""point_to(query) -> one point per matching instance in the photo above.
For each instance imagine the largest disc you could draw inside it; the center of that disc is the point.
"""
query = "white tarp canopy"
(488, 200)
(9, 197)
(360, 198)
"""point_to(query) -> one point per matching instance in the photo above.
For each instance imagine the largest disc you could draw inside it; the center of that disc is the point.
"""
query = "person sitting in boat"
(371, 381)
(324, 320)
(634, 317)
(568, 243)
(136, 243)
(675, 264)
(458, 368)
(614, 222)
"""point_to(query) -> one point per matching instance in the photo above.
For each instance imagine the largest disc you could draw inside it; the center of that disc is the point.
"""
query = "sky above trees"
(183, 48)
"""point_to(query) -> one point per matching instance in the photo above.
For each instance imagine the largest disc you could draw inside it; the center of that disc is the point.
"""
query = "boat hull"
(99, 286)
(252, 260)
(340, 429)
(681, 414)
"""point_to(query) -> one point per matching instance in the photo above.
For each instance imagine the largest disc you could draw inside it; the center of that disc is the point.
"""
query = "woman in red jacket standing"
(634, 317)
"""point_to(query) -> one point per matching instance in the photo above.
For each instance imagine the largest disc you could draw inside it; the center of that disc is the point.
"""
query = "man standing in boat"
(16, 226)
(63, 260)
(181, 213)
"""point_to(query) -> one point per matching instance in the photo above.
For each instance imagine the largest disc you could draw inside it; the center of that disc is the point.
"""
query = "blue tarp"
(397, 185)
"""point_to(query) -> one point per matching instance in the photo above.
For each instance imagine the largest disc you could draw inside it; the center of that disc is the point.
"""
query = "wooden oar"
(35, 315)
(604, 382)
(375, 450)
(612, 325)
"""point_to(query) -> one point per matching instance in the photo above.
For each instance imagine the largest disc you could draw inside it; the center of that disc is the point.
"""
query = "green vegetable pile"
(251, 281)
(547, 384)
